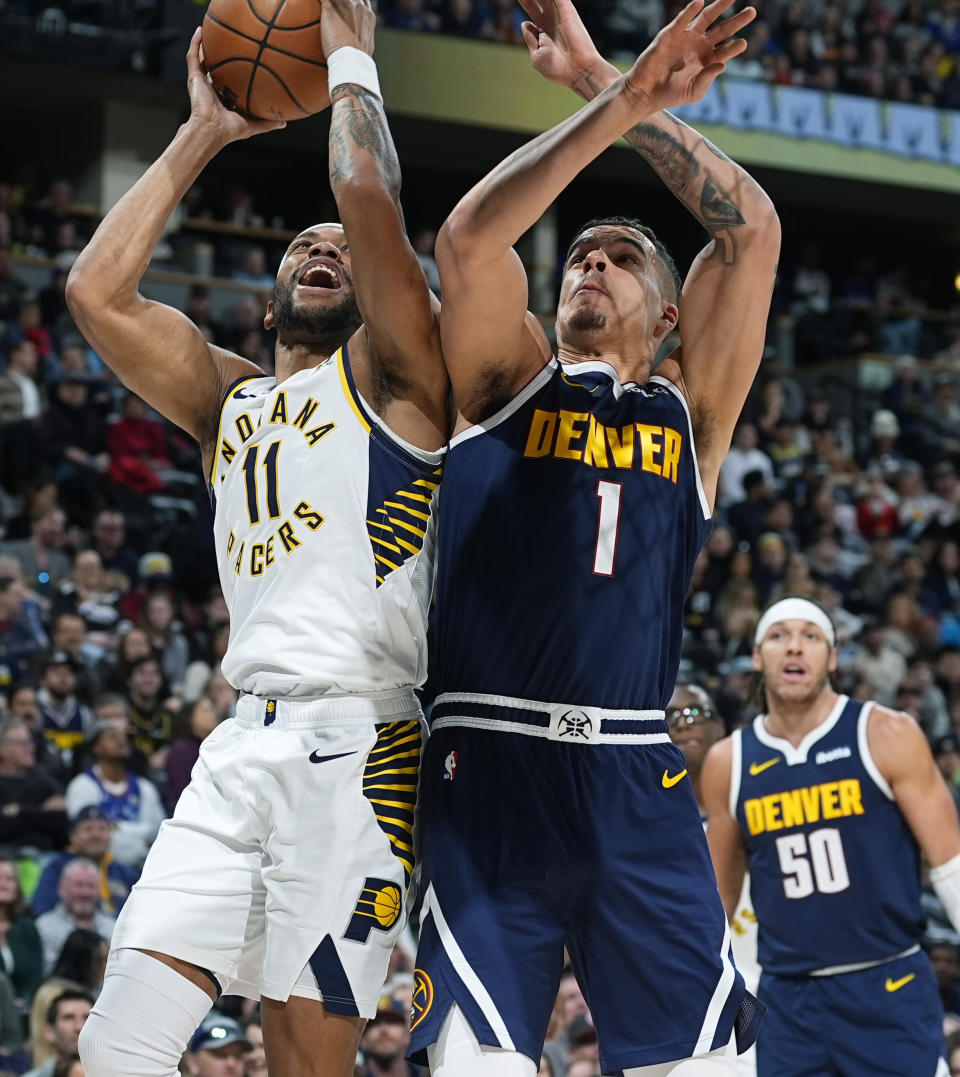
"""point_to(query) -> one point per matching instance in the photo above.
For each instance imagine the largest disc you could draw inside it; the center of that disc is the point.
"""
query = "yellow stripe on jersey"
(382, 522)
(387, 771)
(223, 408)
(352, 398)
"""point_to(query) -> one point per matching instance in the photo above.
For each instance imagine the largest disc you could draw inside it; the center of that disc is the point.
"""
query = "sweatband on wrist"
(945, 880)
(788, 609)
(349, 64)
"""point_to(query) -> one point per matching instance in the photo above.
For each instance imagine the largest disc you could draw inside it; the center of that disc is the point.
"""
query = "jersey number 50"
(813, 862)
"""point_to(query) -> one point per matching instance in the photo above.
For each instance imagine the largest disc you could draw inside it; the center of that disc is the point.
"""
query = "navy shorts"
(530, 845)
(886, 1021)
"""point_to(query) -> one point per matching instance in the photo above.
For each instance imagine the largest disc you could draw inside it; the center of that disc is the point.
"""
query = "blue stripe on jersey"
(571, 523)
(834, 868)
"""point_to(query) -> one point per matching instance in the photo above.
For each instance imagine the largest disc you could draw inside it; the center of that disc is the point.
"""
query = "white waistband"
(839, 970)
(567, 723)
(392, 705)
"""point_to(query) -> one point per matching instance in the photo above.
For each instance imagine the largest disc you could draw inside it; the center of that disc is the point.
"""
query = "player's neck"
(629, 368)
(290, 359)
(793, 721)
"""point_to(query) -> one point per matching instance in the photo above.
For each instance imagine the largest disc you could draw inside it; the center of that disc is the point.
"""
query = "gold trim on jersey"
(410, 518)
(223, 407)
(390, 784)
(353, 398)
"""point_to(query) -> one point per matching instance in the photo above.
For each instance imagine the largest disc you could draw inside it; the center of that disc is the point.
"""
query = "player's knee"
(102, 1047)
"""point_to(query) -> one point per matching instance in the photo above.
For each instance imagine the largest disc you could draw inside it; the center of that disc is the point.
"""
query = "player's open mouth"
(319, 273)
(794, 672)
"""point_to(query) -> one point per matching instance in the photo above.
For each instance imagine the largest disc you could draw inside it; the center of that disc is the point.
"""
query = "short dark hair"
(65, 1065)
(68, 994)
(670, 275)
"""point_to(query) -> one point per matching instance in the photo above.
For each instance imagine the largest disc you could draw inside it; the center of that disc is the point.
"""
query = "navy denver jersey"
(572, 518)
(834, 868)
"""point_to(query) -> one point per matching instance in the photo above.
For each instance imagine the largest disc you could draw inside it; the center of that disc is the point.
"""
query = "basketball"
(265, 57)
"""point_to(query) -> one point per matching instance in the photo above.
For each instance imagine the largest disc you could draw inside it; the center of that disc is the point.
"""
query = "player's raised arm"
(723, 832)
(154, 349)
(399, 313)
(489, 339)
(726, 296)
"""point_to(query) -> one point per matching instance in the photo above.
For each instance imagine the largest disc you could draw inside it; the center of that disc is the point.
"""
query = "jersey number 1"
(608, 527)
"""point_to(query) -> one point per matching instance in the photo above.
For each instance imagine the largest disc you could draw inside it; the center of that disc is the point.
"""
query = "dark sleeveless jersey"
(570, 523)
(834, 868)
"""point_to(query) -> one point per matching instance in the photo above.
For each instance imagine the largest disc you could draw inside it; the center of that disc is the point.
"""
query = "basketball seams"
(262, 40)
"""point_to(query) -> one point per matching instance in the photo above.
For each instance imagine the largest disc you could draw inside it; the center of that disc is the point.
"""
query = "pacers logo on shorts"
(378, 907)
(422, 997)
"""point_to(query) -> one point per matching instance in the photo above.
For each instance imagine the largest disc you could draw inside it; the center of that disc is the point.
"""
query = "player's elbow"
(763, 225)
(458, 245)
(82, 290)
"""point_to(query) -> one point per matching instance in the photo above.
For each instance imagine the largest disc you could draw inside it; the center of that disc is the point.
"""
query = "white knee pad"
(142, 1021)
(457, 1053)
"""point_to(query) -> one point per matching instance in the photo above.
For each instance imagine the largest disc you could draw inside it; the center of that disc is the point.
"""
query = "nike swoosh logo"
(669, 782)
(895, 985)
(315, 758)
(759, 768)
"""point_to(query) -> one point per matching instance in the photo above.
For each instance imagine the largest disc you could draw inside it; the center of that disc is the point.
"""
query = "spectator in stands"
(32, 806)
(255, 1063)
(184, 751)
(90, 835)
(748, 517)
(22, 706)
(75, 445)
(199, 672)
(878, 665)
(87, 596)
(21, 405)
(21, 952)
(945, 958)
(22, 637)
(131, 803)
(385, 1040)
(941, 428)
(198, 310)
(109, 537)
(137, 449)
(150, 710)
(167, 641)
(744, 456)
(12, 288)
(424, 242)
(946, 752)
(218, 1048)
(83, 960)
(253, 269)
(78, 906)
(65, 1016)
(64, 719)
(43, 563)
(412, 15)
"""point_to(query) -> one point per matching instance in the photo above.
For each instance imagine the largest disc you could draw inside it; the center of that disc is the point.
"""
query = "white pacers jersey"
(324, 522)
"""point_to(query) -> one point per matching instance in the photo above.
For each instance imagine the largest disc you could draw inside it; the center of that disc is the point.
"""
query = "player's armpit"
(903, 757)
(723, 832)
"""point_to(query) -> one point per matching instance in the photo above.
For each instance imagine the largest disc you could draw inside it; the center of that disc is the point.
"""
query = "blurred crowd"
(113, 626)
(900, 50)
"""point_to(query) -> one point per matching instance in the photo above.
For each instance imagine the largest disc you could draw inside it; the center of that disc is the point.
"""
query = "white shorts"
(285, 866)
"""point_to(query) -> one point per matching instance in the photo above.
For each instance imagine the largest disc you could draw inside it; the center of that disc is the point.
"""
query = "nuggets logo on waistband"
(378, 907)
(422, 997)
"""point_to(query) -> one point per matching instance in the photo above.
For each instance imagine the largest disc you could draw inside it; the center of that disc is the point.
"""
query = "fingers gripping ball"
(265, 57)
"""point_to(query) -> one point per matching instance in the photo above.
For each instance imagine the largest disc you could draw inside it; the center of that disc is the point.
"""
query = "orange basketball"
(265, 58)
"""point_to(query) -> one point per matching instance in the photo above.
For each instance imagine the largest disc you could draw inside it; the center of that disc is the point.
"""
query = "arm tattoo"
(361, 126)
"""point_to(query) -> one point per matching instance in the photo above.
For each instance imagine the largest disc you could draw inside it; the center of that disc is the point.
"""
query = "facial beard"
(586, 318)
(325, 327)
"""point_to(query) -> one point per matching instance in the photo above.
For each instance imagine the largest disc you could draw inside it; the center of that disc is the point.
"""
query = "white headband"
(789, 609)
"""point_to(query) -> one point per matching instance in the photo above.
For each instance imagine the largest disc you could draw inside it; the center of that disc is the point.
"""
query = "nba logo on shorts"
(450, 766)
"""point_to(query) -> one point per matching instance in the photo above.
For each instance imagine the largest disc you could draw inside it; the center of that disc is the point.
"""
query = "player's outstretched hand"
(560, 47)
(347, 22)
(207, 109)
(682, 61)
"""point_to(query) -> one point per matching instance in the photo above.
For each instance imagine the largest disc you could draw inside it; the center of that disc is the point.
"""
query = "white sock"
(143, 1020)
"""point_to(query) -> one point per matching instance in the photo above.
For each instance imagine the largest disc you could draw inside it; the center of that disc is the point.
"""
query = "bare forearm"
(722, 196)
(121, 248)
(496, 213)
(361, 149)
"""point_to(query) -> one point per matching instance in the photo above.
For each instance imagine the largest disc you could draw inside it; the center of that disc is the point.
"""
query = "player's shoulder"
(895, 739)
